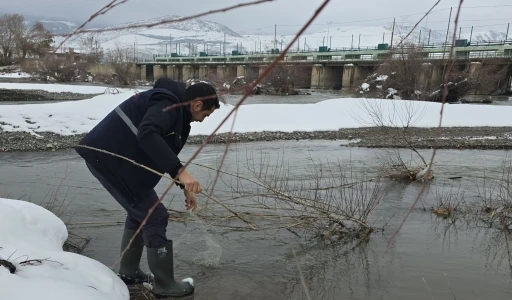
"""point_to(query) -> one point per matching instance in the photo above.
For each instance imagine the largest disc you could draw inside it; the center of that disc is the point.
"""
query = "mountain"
(55, 26)
(193, 36)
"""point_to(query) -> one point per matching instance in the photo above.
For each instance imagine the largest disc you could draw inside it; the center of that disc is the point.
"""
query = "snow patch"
(31, 232)
(79, 117)
(382, 78)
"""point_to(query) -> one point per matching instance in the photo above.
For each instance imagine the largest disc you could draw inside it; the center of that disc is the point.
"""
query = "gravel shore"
(40, 95)
(421, 138)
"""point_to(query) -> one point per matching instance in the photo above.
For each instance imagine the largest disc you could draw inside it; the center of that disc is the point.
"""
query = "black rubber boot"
(129, 270)
(161, 264)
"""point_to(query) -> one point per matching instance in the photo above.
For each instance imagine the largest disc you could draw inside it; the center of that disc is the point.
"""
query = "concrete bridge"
(319, 70)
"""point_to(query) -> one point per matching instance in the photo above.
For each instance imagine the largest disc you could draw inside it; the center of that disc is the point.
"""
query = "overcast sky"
(287, 14)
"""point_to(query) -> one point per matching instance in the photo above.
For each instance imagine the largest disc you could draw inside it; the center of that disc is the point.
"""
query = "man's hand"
(190, 183)
(190, 200)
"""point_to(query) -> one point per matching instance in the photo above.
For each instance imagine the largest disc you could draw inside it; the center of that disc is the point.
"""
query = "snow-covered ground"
(60, 88)
(30, 232)
(80, 116)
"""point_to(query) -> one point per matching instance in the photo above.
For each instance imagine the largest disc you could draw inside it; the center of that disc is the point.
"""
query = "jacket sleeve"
(154, 126)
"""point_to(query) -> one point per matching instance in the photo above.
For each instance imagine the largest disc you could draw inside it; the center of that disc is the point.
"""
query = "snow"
(31, 232)
(76, 117)
(382, 78)
(58, 88)
(365, 87)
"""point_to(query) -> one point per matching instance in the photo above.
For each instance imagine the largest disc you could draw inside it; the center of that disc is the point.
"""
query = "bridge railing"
(313, 59)
(340, 49)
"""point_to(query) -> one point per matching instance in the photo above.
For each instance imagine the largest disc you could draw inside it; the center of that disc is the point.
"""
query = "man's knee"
(154, 232)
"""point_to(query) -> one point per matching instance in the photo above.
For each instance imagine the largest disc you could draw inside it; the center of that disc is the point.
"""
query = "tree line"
(19, 41)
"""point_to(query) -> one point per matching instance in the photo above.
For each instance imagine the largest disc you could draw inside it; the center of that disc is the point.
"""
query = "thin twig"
(170, 178)
(428, 288)
(102, 11)
(247, 94)
(416, 25)
(302, 280)
(438, 133)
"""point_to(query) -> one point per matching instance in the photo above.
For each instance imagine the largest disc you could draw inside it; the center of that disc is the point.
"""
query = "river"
(429, 259)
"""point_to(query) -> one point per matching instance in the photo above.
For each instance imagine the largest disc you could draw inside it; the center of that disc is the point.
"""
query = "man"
(143, 130)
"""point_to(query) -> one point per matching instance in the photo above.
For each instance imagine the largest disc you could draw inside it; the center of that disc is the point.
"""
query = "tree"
(120, 60)
(11, 29)
(18, 41)
(35, 41)
(91, 51)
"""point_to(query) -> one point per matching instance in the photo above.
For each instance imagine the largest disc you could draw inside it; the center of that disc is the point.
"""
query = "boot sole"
(130, 281)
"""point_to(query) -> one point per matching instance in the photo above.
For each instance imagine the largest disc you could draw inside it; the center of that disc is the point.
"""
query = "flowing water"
(429, 259)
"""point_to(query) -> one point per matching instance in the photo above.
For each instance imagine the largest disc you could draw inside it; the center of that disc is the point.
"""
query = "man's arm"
(155, 124)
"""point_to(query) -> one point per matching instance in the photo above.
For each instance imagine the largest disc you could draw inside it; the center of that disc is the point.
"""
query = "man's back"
(140, 130)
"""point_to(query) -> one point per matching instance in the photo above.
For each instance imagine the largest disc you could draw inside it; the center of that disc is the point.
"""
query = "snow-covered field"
(77, 117)
(30, 232)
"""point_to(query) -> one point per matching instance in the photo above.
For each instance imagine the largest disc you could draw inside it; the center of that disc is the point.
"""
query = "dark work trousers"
(155, 228)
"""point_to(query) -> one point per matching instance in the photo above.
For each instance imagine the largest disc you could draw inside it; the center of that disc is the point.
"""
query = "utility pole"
(447, 32)
(460, 31)
(328, 27)
(428, 41)
(419, 38)
(359, 43)
(448, 27)
(224, 44)
(170, 43)
(471, 35)
(392, 33)
(275, 36)
(506, 35)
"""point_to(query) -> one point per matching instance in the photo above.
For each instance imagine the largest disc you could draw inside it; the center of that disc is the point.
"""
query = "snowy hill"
(55, 26)
(193, 36)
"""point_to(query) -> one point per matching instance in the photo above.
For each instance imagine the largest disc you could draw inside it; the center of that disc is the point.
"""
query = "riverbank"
(39, 95)
(483, 138)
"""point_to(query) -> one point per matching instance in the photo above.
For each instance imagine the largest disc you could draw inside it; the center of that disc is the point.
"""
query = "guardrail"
(313, 59)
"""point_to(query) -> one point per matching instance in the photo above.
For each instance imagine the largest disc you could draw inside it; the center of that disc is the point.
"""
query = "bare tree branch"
(439, 128)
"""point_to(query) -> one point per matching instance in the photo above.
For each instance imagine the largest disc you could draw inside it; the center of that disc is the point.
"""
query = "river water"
(429, 259)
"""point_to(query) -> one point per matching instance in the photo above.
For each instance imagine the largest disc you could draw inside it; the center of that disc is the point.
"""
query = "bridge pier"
(143, 73)
(158, 72)
(241, 70)
(324, 77)
(436, 78)
(138, 72)
(473, 67)
(188, 72)
(425, 78)
(348, 77)
(173, 72)
(203, 72)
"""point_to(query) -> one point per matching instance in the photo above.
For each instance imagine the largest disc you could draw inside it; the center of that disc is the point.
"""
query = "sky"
(288, 15)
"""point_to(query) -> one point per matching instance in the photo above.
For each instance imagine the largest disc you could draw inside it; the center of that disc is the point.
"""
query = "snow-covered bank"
(30, 232)
(78, 117)
(59, 88)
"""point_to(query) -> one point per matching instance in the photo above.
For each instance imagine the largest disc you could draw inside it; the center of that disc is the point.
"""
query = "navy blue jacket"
(149, 136)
